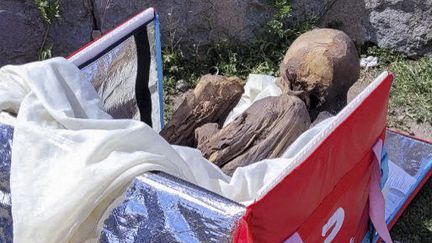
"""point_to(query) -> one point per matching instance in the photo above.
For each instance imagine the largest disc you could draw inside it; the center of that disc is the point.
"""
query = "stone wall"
(20, 34)
(192, 22)
(403, 25)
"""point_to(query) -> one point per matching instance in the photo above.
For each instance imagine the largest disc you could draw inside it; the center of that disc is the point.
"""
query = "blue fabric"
(384, 167)
(159, 70)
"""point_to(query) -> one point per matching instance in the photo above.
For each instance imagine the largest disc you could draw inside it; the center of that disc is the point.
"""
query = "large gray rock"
(22, 30)
(405, 26)
(192, 22)
(303, 10)
(402, 25)
(21, 33)
(73, 29)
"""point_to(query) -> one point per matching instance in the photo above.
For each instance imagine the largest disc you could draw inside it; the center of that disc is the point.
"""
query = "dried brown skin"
(323, 115)
(320, 66)
(205, 131)
(263, 131)
(210, 102)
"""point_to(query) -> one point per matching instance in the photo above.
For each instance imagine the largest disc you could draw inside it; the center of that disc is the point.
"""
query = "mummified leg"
(264, 130)
(205, 132)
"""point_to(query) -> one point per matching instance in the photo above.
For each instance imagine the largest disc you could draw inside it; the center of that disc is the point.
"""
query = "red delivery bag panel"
(338, 217)
(340, 153)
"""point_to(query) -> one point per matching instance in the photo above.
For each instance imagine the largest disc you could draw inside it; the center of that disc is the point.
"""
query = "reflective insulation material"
(126, 78)
(409, 161)
(161, 208)
(155, 82)
(114, 75)
(157, 208)
(6, 133)
(410, 154)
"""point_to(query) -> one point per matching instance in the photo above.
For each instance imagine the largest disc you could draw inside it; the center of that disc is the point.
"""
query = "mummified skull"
(319, 67)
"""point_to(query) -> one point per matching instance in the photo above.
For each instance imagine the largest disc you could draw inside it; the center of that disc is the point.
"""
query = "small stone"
(182, 86)
(96, 34)
(368, 62)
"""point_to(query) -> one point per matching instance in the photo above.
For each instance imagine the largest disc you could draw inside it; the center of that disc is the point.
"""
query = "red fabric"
(351, 195)
(299, 195)
(363, 225)
(242, 234)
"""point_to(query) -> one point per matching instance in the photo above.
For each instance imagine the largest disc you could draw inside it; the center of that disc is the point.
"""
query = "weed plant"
(49, 12)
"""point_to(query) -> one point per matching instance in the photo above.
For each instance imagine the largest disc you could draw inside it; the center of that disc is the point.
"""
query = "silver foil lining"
(114, 76)
(157, 208)
(408, 153)
(162, 208)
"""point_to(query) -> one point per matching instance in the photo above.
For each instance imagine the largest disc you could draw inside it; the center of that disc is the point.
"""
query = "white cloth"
(6, 118)
(258, 86)
(71, 161)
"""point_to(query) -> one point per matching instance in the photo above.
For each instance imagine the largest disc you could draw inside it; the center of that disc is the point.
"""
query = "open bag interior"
(59, 114)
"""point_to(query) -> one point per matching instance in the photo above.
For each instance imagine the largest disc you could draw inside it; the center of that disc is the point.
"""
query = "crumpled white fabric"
(257, 87)
(71, 161)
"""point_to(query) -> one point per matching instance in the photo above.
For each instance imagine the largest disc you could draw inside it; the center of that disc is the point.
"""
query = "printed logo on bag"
(335, 220)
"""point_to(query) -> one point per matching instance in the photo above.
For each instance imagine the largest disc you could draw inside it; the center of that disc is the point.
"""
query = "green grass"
(411, 95)
(412, 92)
(45, 52)
(49, 10)
(415, 225)
(411, 99)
